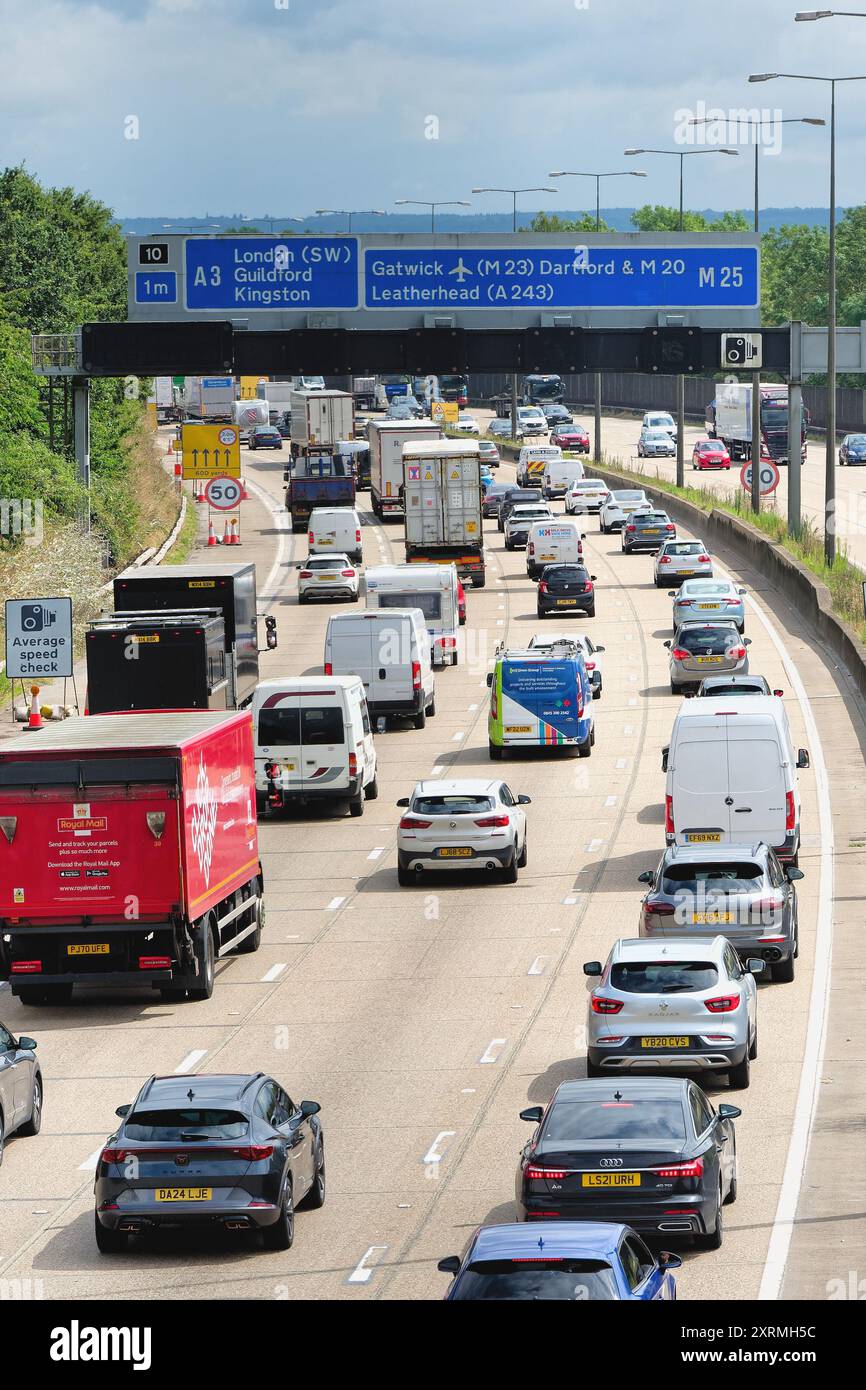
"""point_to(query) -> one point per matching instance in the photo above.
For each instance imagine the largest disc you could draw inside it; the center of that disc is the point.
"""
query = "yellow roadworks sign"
(211, 451)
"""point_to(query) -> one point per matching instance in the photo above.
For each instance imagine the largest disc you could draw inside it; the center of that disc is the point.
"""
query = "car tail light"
(272, 771)
(587, 588)
(664, 559)
(113, 1155)
(600, 1005)
(670, 526)
(737, 653)
(348, 574)
(306, 574)
(532, 1170)
(154, 962)
(669, 815)
(353, 765)
(767, 905)
(329, 669)
(414, 823)
(678, 654)
(358, 535)
(731, 602)
(790, 812)
(542, 588)
(311, 539)
(531, 548)
(416, 675)
(703, 559)
(590, 665)
(723, 1004)
(631, 528)
(27, 967)
(254, 1153)
(490, 821)
(659, 908)
(692, 1169)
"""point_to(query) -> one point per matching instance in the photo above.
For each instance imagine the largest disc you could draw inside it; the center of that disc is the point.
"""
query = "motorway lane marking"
(610, 801)
(433, 1155)
(471, 707)
(537, 966)
(272, 974)
(628, 728)
(334, 904)
(594, 846)
(569, 903)
(455, 738)
(492, 1052)
(377, 852)
(468, 1091)
(632, 699)
(363, 1273)
(621, 763)
(191, 1060)
(285, 533)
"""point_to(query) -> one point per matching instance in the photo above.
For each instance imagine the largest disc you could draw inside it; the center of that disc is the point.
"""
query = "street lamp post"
(426, 203)
(343, 212)
(830, 456)
(680, 380)
(514, 192)
(755, 127)
(614, 174)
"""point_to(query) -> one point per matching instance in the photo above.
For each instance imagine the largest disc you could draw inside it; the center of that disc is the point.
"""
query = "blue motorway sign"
(579, 277)
(243, 273)
(156, 287)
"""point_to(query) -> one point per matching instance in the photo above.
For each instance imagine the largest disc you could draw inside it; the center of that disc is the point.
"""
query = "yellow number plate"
(610, 1180)
(455, 853)
(664, 1042)
(565, 602)
(710, 918)
(90, 948)
(706, 837)
(518, 728)
(325, 540)
(326, 577)
(709, 660)
(706, 605)
(184, 1194)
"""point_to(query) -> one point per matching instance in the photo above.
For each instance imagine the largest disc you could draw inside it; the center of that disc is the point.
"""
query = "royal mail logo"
(79, 823)
(204, 821)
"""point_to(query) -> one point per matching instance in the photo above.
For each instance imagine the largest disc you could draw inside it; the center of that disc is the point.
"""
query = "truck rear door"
(756, 784)
(699, 782)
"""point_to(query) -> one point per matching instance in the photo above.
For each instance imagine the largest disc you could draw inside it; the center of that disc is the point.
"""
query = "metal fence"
(639, 391)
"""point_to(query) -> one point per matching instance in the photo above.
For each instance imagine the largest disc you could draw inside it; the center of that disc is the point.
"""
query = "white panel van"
(558, 542)
(313, 742)
(335, 531)
(732, 776)
(390, 651)
(558, 476)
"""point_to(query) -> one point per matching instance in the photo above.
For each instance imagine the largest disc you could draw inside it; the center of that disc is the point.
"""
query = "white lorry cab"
(313, 742)
(732, 775)
(335, 530)
(556, 542)
(433, 589)
(390, 651)
(558, 476)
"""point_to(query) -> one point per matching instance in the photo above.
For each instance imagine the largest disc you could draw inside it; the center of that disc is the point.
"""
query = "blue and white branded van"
(540, 701)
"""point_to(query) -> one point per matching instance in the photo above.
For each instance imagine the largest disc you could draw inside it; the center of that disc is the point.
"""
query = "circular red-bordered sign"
(769, 477)
(224, 493)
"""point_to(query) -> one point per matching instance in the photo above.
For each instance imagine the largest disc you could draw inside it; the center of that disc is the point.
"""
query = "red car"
(572, 437)
(461, 603)
(710, 453)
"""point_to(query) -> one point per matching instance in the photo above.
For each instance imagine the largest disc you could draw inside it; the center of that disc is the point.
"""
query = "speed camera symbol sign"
(742, 350)
(768, 477)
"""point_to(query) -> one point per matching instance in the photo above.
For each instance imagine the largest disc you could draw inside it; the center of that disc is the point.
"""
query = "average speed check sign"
(223, 493)
(768, 477)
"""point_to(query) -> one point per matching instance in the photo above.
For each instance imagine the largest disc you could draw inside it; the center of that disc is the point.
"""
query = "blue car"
(567, 1261)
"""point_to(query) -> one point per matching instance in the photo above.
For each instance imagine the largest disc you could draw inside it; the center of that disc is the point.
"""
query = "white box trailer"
(208, 397)
(442, 491)
(321, 417)
(387, 438)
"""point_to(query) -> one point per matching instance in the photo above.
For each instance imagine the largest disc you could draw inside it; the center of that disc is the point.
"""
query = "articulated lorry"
(208, 398)
(128, 854)
(729, 419)
(442, 489)
(319, 475)
(386, 439)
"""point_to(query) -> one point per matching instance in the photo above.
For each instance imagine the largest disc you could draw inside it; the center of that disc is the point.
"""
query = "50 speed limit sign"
(224, 493)
(768, 477)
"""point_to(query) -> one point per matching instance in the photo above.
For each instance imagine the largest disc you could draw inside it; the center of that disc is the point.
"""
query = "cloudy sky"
(284, 106)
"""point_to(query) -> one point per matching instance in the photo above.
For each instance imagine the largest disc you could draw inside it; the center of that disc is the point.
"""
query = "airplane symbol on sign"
(461, 270)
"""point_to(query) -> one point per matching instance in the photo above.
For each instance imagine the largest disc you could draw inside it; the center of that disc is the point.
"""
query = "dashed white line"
(594, 846)
(274, 972)
(621, 763)
(537, 966)
(334, 904)
(455, 738)
(610, 801)
(377, 852)
(363, 1272)
(568, 902)
(191, 1060)
(473, 707)
(492, 1052)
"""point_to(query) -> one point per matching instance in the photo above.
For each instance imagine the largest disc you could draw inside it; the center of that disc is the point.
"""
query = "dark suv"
(517, 497)
(222, 1150)
(566, 588)
(647, 531)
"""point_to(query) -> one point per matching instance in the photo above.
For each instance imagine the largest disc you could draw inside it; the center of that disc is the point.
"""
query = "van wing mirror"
(803, 758)
(490, 678)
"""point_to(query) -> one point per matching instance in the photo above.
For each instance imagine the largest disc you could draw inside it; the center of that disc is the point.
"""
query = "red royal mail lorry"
(128, 853)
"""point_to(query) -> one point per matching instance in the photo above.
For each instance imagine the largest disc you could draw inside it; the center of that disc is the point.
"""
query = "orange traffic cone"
(226, 530)
(234, 538)
(211, 535)
(35, 720)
